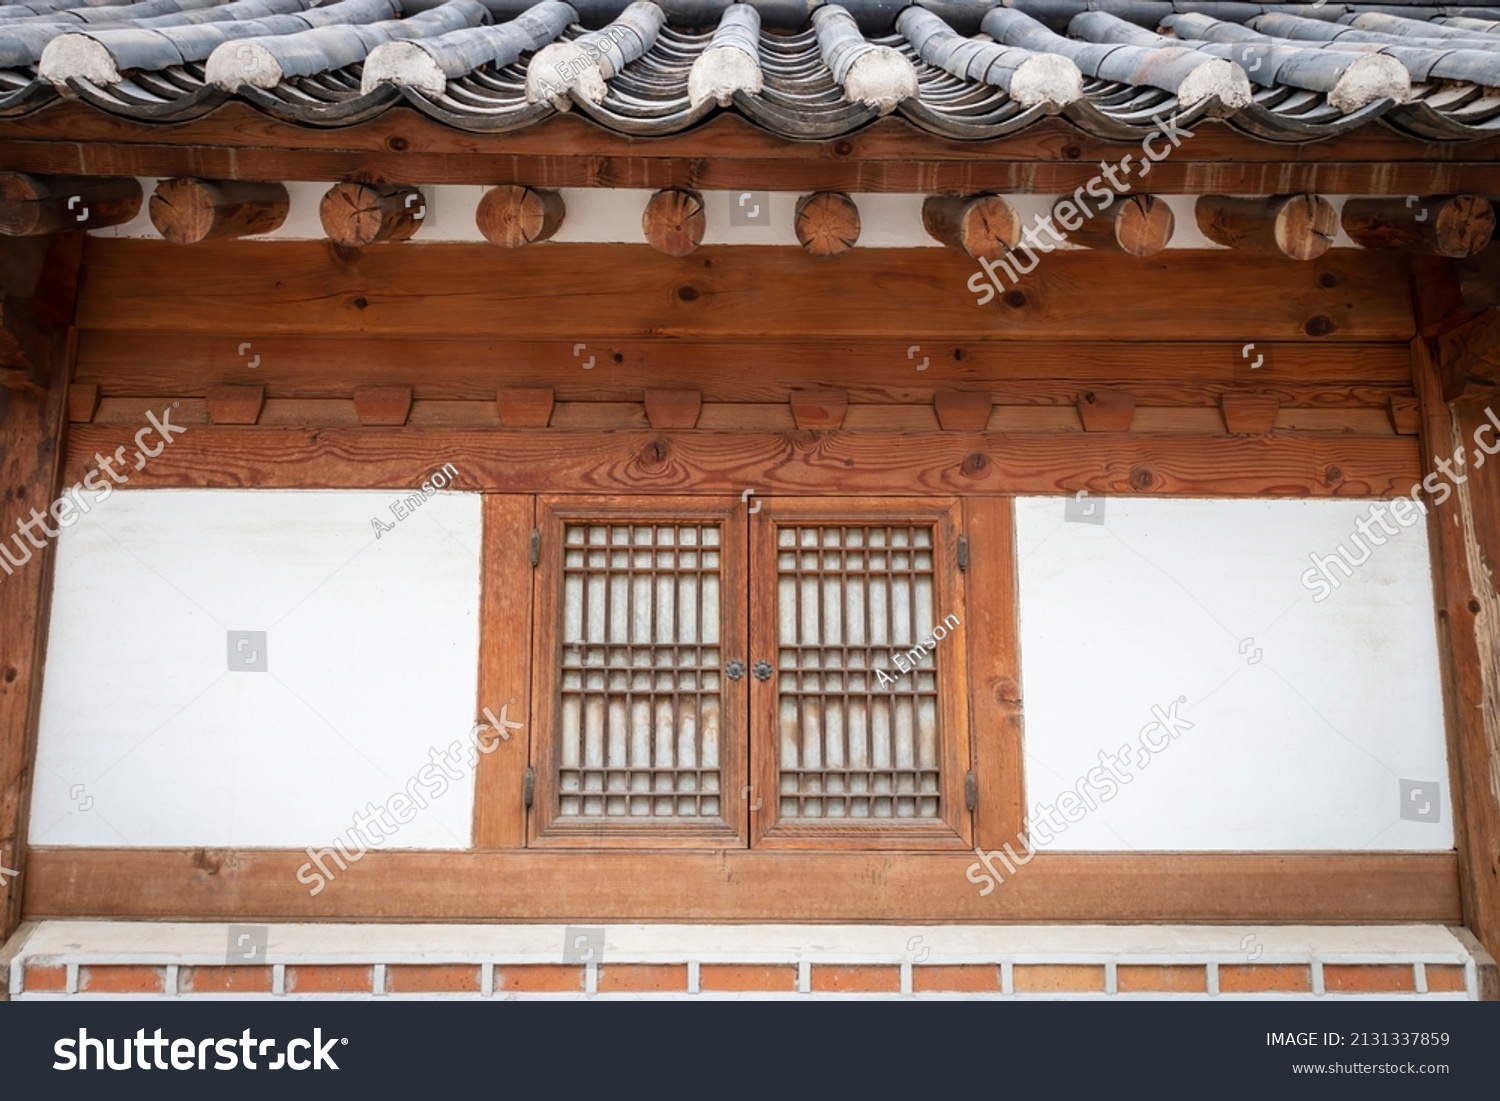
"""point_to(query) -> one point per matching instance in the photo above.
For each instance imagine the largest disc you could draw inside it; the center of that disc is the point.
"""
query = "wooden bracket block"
(1106, 410)
(1470, 358)
(382, 404)
(1406, 415)
(83, 402)
(522, 408)
(1249, 414)
(962, 410)
(235, 404)
(822, 408)
(673, 408)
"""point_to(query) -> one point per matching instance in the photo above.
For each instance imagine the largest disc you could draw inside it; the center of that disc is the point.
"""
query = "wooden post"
(827, 223)
(30, 468)
(1446, 225)
(674, 221)
(31, 206)
(1300, 227)
(359, 214)
(984, 226)
(186, 211)
(513, 216)
(1140, 225)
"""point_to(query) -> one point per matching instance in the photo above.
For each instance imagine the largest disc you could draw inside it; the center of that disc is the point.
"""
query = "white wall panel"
(1307, 715)
(148, 739)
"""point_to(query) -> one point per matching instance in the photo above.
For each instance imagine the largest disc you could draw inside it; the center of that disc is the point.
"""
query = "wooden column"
(983, 226)
(1140, 225)
(1465, 538)
(359, 214)
(674, 222)
(1300, 227)
(32, 206)
(827, 223)
(186, 211)
(1444, 225)
(512, 216)
(32, 429)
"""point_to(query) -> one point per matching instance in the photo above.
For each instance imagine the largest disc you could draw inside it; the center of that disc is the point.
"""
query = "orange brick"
(1051, 978)
(330, 979)
(127, 979)
(224, 980)
(1246, 978)
(856, 980)
(1132, 978)
(1443, 978)
(1364, 978)
(731, 976)
(641, 977)
(983, 977)
(433, 978)
(44, 979)
(540, 977)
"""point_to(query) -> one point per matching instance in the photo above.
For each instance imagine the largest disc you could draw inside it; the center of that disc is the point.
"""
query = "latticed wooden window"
(708, 677)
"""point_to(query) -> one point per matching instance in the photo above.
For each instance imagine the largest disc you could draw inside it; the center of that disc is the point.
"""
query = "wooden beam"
(743, 885)
(1139, 225)
(512, 216)
(827, 223)
(981, 226)
(1469, 358)
(187, 211)
(907, 296)
(917, 462)
(32, 205)
(673, 221)
(1455, 226)
(728, 153)
(356, 214)
(34, 432)
(1299, 227)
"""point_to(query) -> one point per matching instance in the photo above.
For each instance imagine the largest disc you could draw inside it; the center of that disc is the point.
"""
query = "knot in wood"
(975, 465)
(1141, 478)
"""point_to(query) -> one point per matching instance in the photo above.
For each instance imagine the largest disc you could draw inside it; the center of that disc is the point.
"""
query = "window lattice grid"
(850, 598)
(640, 716)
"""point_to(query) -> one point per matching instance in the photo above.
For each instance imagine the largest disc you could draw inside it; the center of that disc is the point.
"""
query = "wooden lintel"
(524, 407)
(83, 402)
(962, 410)
(823, 408)
(1470, 358)
(1106, 410)
(382, 405)
(235, 404)
(673, 408)
(1249, 414)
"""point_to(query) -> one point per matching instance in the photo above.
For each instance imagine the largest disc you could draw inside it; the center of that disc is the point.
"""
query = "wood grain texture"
(827, 223)
(33, 430)
(512, 216)
(1103, 410)
(505, 641)
(1299, 227)
(1455, 226)
(981, 226)
(187, 211)
(673, 222)
(965, 464)
(1050, 158)
(744, 885)
(906, 295)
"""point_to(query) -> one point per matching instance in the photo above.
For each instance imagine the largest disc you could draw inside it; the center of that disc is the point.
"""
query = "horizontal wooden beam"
(1053, 157)
(559, 460)
(261, 884)
(731, 293)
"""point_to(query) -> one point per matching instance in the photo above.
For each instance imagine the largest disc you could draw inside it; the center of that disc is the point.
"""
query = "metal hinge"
(528, 789)
(536, 547)
(963, 552)
(971, 791)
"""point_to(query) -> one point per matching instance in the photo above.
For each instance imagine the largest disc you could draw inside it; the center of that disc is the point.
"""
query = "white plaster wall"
(1301, 749)
(612, 216)
(148, 739)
